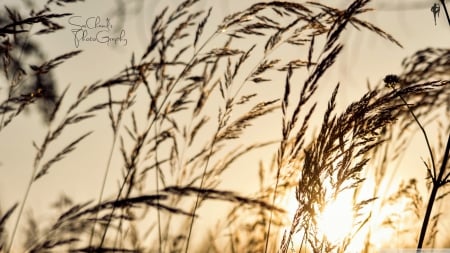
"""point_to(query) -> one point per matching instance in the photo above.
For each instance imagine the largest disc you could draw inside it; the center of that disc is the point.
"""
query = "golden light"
(336, 220)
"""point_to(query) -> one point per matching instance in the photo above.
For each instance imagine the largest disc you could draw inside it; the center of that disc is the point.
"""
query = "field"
(244, 134)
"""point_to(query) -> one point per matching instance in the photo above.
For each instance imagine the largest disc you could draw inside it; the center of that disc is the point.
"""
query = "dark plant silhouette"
(202, 96)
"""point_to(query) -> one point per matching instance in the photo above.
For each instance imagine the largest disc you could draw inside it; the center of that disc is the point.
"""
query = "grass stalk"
(152, 122)
(27, 191)
(202, 180)
(22, 206)
(436, 185)
(102, 189)
(422, 129)
(436, 179)
(426, 219)
(446, 11)
(158, 212)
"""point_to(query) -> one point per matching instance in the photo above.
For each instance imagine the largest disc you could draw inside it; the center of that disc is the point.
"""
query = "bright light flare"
(336, 220)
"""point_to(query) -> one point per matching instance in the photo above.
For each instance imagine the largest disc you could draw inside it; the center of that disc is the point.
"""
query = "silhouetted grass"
(175, 151)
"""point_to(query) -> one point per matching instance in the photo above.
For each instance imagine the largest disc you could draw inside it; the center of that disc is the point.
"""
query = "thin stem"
(150, 125)
(158, 213)
(122, 187)
(422, 129)
(446, 11)
(436, 179)
(427, 217)
(271, 213)
(197, 199)
(433, 194)
(102, 190)
(280, 155)
(445, 162)
(27, 192)
(24, 200)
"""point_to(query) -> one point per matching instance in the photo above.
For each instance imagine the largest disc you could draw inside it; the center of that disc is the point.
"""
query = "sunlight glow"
(336, 220)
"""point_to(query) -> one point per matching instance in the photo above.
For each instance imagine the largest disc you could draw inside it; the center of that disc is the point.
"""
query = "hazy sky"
(365, 57)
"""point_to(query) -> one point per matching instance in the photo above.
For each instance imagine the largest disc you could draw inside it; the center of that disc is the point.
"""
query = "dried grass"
(185, 159)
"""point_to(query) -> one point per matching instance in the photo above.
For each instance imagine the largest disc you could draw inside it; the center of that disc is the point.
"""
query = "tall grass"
(203, 94)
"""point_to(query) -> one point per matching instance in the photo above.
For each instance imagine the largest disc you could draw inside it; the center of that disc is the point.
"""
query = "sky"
(365, 58)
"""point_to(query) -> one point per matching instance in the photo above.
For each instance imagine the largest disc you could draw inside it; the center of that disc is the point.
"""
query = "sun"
(335, 222)
(339, 220)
